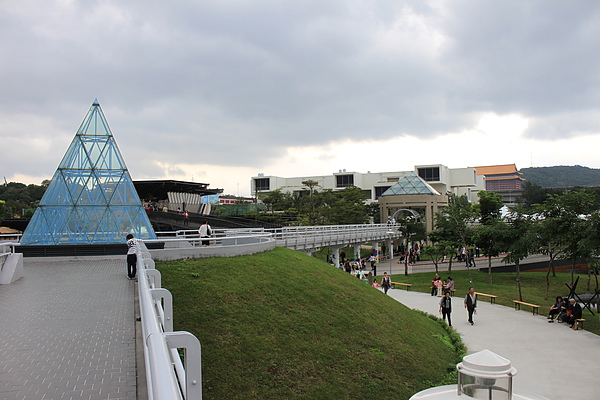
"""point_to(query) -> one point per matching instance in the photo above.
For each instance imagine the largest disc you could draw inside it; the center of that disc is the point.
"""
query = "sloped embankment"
(282, 325)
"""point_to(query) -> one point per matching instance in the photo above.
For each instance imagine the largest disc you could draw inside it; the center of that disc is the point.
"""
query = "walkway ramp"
(546, 355)
(67, 330)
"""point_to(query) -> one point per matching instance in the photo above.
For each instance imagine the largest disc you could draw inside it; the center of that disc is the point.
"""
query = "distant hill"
(562, 176)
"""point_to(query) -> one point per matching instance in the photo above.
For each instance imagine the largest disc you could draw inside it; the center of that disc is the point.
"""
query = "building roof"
(497, 169)
(411, 183)
(158, 189)
(505, 178)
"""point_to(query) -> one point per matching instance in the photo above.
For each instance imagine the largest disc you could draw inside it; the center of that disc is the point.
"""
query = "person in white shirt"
(205, 231)
(132, 252)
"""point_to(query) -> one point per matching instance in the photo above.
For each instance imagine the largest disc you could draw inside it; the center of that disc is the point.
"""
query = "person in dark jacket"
(576, 313)
(556, 308)
(471, 303)
(446, 307)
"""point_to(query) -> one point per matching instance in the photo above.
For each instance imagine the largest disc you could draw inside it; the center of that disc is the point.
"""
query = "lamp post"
(484, 376)
(390, 234)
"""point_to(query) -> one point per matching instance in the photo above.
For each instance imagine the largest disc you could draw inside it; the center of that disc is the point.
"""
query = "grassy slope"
(504, 286)
(280, 324)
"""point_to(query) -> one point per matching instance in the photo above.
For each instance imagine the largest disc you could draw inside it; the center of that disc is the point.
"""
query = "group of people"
(386, 282)
(439, 286)
(470, 303)
(411, 255)
(565, 311)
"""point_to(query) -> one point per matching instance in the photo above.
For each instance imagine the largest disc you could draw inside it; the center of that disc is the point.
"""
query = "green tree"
(453, 224)
(413, 230)
(486, 239)
(556, 226)
(275, 200)
(2, 210)
(589, 246)
(436, 252)
(488, 211)
(350, 207)
(312, 206)
(518, 239)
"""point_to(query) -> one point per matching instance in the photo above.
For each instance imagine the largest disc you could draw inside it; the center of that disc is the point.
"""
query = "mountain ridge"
(561, 176)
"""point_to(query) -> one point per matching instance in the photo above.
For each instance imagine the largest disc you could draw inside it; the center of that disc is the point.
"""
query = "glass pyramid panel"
(410, 184)
(75, 156)
(91, 198)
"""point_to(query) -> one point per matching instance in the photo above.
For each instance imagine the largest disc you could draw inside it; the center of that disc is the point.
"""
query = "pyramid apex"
(96, 103)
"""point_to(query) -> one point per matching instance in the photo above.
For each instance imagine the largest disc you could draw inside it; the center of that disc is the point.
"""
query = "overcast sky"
(219, 91)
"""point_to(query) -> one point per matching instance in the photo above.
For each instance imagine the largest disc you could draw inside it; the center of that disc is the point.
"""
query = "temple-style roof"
(410, 184)
(497, 169)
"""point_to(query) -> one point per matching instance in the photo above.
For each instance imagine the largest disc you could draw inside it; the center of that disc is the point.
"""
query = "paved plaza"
(68, 331)
(552, 360)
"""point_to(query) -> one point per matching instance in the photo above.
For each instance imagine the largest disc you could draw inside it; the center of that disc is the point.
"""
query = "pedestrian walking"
(471, 303)
(446, 307)
(386, 282)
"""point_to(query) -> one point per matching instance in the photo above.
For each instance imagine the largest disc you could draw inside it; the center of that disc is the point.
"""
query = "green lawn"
(504, 286)
(282, 325)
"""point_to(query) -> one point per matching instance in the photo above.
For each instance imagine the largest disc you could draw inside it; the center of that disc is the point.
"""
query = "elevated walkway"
(68, 331)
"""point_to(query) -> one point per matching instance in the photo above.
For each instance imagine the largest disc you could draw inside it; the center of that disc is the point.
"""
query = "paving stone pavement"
(67, 331)
(551, 360)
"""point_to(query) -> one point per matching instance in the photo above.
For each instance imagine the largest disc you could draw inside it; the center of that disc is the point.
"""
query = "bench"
(579, 323)
(491, 296)
(534, 306)
(407, 285)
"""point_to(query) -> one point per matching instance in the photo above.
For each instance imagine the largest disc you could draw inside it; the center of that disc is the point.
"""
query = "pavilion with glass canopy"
(91, 198)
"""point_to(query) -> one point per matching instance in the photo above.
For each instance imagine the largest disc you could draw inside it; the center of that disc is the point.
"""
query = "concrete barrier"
(11, 268)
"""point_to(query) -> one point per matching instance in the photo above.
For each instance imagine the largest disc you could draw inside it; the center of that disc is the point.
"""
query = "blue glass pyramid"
(91, 198)
(411, 183)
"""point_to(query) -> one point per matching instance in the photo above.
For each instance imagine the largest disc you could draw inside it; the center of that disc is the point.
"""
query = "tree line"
(313, 206)
(564, 226)
(18, 200)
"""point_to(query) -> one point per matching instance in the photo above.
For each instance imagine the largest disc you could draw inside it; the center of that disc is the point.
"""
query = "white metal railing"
(316, 236)
(10, 236)
(168, 378)
(221, 237)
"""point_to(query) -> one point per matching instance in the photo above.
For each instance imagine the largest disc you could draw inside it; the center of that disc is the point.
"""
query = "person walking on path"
(471, 303)
(433, 285)
(449, 286)
(386, 282)
(132, 252)
(205, 231)
(446, 307)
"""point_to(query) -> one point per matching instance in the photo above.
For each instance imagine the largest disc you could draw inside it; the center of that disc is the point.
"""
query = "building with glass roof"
(91, 198)
(412, 193)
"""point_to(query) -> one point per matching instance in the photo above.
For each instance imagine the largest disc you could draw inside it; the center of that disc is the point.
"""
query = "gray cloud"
(234, 83)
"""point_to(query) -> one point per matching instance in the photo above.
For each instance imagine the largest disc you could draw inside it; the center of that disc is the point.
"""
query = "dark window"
(344, 180)
(366, 194)
(429, 174)
(379, 190)
(262, 184)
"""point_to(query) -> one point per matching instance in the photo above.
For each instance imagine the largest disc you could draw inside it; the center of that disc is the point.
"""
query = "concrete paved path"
(551, 359)
(67, 331)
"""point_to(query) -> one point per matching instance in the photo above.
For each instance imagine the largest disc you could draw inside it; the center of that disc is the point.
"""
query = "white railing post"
(191, 380)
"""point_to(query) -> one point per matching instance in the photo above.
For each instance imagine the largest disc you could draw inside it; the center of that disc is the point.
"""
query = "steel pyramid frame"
(91, 198)
(411, 183)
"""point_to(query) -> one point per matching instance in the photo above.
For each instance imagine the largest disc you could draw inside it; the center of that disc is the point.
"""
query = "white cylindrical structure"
(484, 376)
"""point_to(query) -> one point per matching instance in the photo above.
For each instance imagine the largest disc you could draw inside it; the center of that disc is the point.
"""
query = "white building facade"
(458, 181)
